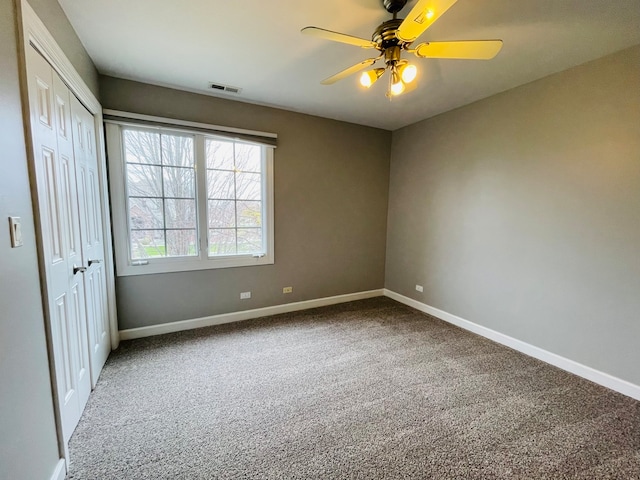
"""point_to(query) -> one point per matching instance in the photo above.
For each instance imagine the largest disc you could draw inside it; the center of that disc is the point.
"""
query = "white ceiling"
(256, 45)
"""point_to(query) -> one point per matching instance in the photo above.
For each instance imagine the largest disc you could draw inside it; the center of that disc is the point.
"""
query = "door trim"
(32, 33)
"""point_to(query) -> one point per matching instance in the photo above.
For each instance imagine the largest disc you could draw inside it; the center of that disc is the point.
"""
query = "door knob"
(77, 269)
(91, 262)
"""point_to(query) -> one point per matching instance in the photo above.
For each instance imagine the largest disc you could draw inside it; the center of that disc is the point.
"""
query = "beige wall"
(331, 187)
(28, 442)
(521, 213)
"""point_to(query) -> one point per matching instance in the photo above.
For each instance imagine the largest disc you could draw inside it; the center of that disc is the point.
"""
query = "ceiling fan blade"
(464, 49)
(338, 37)
(349, 71)
(421, 16)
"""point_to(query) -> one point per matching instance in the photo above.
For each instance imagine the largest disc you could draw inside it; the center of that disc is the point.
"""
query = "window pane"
(180, 213)
(147, 244)
(248, 186)
(177, 150)
(181, 243)
(250, 240)
(248, 157)
(219, 154)
(179, 182)
(220, 184)
(222, 242)
(249, 214)
(222, 213)
(145, 213)
(144, 181)
(142, 147)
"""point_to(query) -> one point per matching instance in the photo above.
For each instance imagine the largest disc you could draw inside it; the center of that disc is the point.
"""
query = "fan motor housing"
(385, 34)
(394, 6)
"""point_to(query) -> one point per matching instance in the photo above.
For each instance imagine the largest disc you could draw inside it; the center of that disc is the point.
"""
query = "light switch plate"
(15, 227)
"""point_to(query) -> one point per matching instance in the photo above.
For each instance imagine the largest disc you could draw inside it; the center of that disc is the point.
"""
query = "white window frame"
(119, 199)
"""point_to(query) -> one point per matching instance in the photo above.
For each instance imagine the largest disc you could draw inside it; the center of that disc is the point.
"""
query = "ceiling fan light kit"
(394, 36)
(369, 78)
(408, 72)
(396, 86)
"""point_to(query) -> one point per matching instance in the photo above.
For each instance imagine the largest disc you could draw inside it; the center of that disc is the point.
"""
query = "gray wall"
(28, 443)
(331, 195)
(521, 213)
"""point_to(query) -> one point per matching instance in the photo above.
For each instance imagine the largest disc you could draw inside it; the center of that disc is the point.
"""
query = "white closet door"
(50, 110)
(92, 236)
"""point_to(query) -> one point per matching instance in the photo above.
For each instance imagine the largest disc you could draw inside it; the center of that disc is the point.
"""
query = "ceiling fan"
(394, 36)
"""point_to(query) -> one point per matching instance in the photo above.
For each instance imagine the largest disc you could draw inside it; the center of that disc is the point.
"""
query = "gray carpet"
(363, 390)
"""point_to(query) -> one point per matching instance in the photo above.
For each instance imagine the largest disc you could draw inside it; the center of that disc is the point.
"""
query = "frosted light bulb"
(397, 88)
(366, 80)
(409, 73)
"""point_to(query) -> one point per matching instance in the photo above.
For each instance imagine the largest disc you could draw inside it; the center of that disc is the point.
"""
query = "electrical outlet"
(287, 290)
(419, 288)
(245, 295)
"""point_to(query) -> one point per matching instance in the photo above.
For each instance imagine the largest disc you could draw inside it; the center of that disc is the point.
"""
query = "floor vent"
(224, 88)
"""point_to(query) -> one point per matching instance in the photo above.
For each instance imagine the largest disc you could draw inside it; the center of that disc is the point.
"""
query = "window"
(188, 200)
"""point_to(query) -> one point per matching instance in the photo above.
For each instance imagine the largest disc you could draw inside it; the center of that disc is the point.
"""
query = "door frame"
(33, 33)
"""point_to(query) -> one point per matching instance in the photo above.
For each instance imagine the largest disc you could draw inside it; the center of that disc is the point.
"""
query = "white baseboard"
(596, 376)
(60, 471)
(244, 315)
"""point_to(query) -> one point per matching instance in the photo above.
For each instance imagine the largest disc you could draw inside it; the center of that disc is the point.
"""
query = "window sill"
(169, 265)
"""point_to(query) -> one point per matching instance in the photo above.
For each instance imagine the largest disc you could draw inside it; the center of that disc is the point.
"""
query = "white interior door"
(92, 236)
(55, 172)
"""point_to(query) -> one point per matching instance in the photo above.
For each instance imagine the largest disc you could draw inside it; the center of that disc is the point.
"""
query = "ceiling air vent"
(224, 88)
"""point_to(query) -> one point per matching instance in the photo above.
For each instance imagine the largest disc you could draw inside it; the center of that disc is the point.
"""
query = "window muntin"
(187, 200)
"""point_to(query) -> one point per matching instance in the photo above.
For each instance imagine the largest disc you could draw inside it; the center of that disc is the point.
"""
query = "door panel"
(92, 236)
(82, 368)
(71, 238)
(55, 173)
(43, 103)
(52, 204)
(67, 188)
(63, 340)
